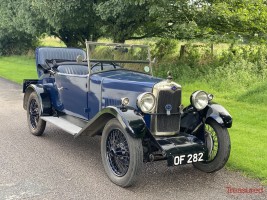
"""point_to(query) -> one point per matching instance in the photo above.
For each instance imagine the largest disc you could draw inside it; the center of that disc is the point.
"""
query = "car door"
(72, 91)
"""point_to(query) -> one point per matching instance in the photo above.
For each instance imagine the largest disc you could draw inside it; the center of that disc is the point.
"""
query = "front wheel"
(217, 140)
(122, 155)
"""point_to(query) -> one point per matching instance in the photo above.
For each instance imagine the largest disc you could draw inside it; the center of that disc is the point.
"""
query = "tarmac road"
(57, 166)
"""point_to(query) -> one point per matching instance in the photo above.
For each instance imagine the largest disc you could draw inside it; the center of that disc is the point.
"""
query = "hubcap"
(33, 113)
(117, 152)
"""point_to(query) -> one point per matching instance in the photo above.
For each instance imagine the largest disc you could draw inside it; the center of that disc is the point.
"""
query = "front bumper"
(181, 145)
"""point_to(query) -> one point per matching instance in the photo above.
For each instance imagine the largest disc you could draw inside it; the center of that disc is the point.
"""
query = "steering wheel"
(102, 66)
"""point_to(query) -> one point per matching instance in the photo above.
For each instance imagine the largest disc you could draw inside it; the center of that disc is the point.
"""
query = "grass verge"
(17, 68)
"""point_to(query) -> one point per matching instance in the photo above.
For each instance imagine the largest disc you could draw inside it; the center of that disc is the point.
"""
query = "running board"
(63, 124)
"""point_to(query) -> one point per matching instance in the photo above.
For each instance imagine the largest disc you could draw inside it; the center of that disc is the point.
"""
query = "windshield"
(112, 56)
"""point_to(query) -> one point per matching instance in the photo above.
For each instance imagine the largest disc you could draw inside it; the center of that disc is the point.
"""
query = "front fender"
(131, 121)
(219, 114)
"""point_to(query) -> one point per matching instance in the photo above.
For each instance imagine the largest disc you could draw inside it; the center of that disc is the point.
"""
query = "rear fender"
(43, 97)
(131, 121)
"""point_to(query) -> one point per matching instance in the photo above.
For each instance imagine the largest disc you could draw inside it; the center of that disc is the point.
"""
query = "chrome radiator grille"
(166, 93)
(168, 123)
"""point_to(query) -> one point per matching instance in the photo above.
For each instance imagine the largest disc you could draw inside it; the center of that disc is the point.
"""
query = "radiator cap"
(169, 76)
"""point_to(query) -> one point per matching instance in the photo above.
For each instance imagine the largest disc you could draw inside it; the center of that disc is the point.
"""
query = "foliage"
(245, 19)
(210, 19)
(163, 47)
(14, 37)
(174, 19)
(23, 21)
(236, 67)
(72, 21)
(123, 20)
(51, 41)
(13, 42)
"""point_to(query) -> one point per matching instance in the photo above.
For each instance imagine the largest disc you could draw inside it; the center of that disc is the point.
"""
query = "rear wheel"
(36, 125)
(122, 155)
(218, 144)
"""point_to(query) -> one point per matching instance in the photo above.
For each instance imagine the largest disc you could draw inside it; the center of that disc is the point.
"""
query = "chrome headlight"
(125, 101)
(199, 99)
(146, 102)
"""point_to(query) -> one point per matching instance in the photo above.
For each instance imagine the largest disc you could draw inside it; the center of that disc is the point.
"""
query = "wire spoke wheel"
(118, 154)
(34, 113)
(122, 154)
(211, 142)
(218, 143)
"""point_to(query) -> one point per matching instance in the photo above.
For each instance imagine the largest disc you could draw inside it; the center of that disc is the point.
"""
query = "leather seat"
(73, 69)
(49, 53)
(43, 53)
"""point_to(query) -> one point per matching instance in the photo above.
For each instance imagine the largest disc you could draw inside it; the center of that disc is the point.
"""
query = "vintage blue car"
(109, 90)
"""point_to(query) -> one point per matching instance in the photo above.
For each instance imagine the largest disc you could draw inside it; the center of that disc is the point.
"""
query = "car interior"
(64, 60)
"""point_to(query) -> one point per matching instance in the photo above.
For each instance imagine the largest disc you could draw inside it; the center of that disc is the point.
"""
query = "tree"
(22, 22)
(17, 29)
(243, 18)
(70, 20)
(123, 20)
(189, 19)
(175, 18)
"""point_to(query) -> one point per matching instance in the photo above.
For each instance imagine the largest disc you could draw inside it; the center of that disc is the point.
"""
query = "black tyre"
(122, 155)
(218, 144)
(36, 125)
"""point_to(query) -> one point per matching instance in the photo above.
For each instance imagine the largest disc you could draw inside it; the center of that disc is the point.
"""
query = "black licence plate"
(185, 159)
